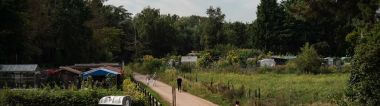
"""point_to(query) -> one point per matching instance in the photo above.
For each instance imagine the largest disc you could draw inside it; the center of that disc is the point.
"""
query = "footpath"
(165, 91)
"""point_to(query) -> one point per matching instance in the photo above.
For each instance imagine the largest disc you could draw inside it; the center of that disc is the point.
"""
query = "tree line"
(62, 32)
(56, 32)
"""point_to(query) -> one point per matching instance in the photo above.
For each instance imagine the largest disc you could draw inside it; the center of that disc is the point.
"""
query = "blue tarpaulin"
(99, 72)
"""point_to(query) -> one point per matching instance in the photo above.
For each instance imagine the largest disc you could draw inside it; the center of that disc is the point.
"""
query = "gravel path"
(165, 91)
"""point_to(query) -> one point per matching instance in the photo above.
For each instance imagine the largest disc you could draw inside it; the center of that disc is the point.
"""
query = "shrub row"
(148, 65)
(44, 97)
(68, 97)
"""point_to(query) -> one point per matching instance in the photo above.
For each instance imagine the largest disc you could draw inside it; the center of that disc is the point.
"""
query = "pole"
(174, 96)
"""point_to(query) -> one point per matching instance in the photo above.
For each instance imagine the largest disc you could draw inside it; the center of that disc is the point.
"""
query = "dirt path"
(165, 91)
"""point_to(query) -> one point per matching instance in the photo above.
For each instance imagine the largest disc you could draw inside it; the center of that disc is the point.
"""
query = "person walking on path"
(165, 91)
(179, 84)
(237, 103)
(148, 77)
(154, 78)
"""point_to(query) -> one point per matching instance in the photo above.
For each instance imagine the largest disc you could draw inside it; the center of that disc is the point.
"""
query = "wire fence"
(153, 101)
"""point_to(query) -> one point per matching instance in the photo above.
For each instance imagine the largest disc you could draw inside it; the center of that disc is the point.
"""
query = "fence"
(228, 90)
(152, 100)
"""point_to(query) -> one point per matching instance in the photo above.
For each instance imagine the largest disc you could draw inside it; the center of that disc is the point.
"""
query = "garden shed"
(69, 76)
(103, 76)
(267, 63)
(18, 75)
(99, 72)
(189, 59)
(89, 66)
(281, 60)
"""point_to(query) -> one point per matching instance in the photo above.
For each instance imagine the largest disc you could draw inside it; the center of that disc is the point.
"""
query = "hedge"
(43, 97)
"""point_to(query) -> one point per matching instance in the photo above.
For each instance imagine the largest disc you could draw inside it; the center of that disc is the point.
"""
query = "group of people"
(151, 79)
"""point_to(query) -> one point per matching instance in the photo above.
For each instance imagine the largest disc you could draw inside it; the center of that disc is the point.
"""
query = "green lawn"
(275, 89)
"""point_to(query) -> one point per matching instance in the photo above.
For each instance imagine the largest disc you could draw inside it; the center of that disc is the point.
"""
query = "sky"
(235, 10)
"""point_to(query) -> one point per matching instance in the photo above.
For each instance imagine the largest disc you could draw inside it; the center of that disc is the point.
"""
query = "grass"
(275, 89)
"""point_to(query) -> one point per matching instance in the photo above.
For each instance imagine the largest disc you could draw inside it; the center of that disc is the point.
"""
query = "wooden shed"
(18, 75)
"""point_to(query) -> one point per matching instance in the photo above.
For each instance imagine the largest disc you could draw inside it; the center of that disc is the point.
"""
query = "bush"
(365, 74)
(346, 68)
(246, 53)
(221, 63)
(233, 58)
(222, 50)
(308, 60)
(328, 69)
(130, 88)
(151, 64)
(186, 67)
(204, 60)
(45, 97)
(63, 97)
(291, 66)
(236, 58)
(252, 63)
(3, 97)
(169, 75)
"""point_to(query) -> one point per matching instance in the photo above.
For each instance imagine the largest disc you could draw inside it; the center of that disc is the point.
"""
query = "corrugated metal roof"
(70, 70)
(99, 72)
(285, 57)
(18, 68)
(116, 69)
(97, 64)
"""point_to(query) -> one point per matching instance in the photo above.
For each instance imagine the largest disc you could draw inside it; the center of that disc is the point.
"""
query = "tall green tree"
(308, 61)
(69, 35)
(156, 33)
(112, 32)
(236, 34)
(188, 33)
(268, 26)
(364, 86)
(15, 42)
(327, 22)
(127, 38)
(212, 33)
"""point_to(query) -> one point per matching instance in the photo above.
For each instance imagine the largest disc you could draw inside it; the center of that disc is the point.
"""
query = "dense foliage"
(68, 97)
(204, 60)
(308, 61)
(38, 97)
(57, 32)
(212, 28)
(365, 74)
(130, 88)
(63, 32)
(268, 26)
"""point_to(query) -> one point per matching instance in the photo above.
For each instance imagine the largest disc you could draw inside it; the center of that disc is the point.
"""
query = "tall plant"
(308, 61)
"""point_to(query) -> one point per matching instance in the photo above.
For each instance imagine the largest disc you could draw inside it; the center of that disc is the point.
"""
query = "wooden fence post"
(174, 96)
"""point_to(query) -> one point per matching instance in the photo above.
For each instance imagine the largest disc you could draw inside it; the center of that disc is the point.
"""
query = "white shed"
(267, 63)
(189, 59)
